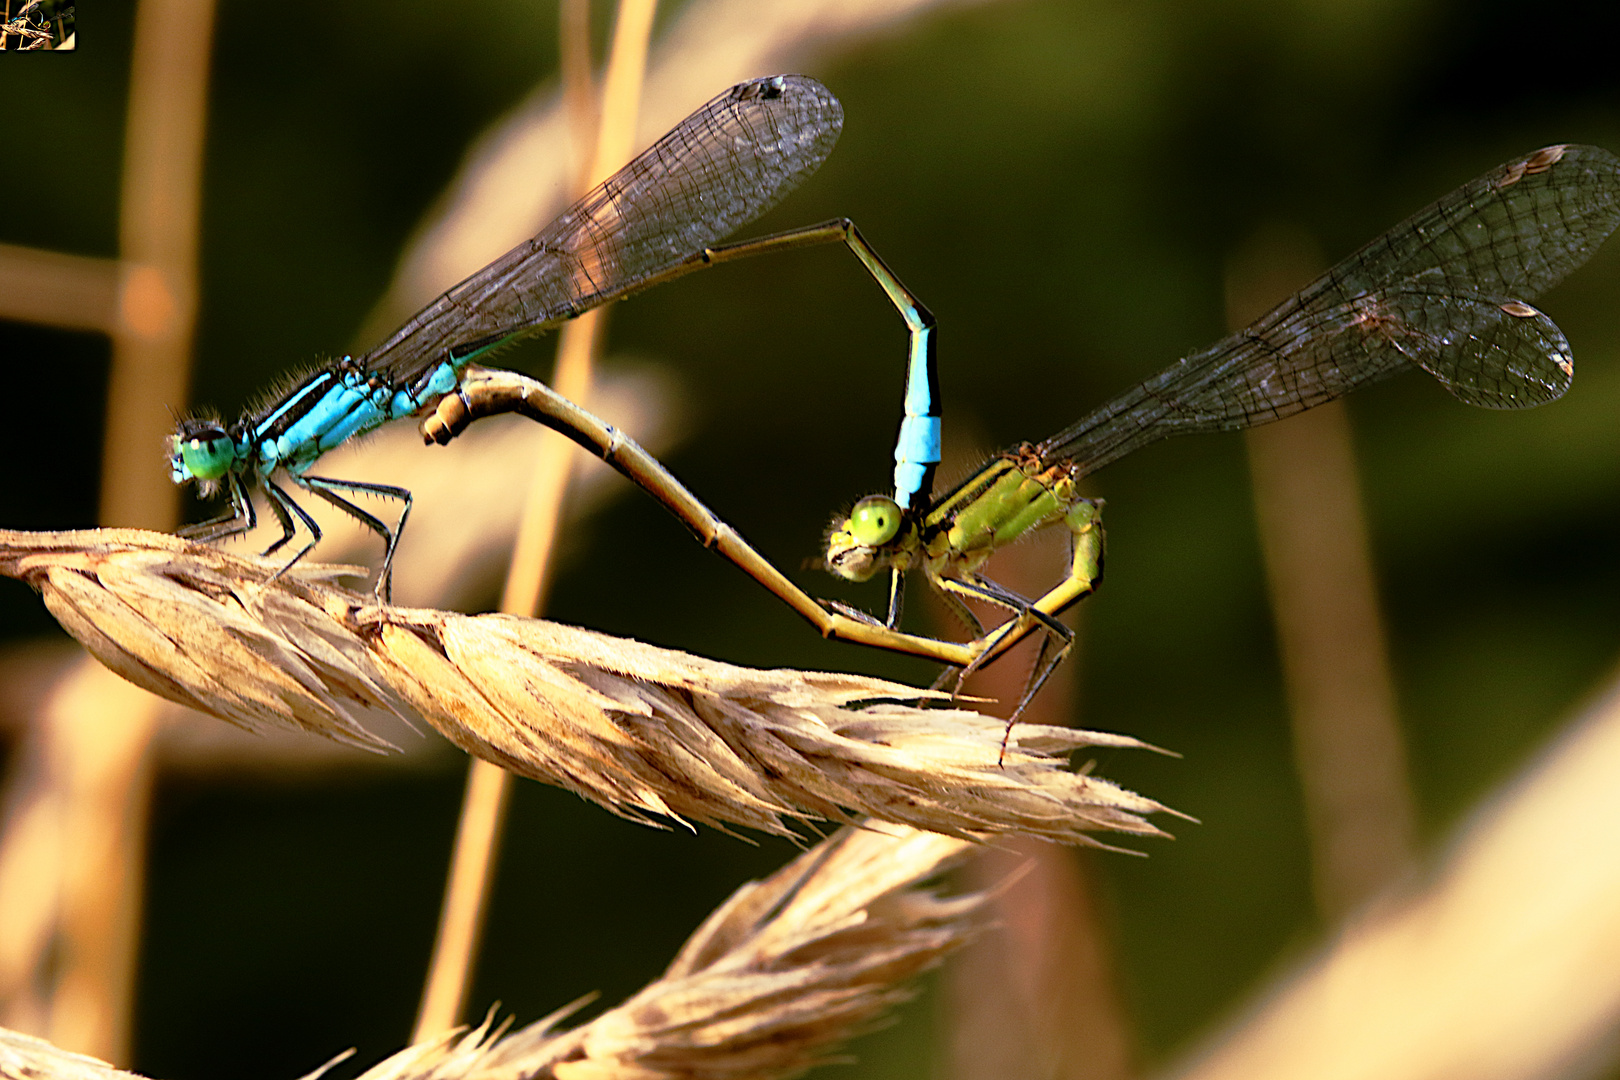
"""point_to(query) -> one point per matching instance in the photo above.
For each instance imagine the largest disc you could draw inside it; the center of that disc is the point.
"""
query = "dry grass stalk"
(532, 564)
(203, 628)
(159, 210)
(1040, 997)
(772, 983)
(1348, 747)
(645, 732)
(52, 288)
(26, 1058)
(75, 814)
(1502, 962)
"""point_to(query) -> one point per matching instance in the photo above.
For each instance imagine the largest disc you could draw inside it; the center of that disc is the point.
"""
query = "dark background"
(1062, 183)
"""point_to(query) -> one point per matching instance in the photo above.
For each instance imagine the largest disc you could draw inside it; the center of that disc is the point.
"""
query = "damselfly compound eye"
(874, 521)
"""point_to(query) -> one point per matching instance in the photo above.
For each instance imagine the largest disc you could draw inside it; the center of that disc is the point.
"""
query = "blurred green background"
(1062, 182)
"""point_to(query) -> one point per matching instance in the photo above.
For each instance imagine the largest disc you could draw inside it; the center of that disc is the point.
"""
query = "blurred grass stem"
(1347, 741)
(579, 83)
(75, 292)
(1504, 965)
(159, 223)
(488, 786)
(1036, 995)
(83, 775)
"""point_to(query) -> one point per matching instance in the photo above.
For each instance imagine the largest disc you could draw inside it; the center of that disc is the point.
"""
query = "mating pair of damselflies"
(1445, 291)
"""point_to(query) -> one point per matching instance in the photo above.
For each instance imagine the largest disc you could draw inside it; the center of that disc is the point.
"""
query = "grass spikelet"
(649, 733)
(207, 629)
(780, 975)
(30, 1058)
(772, 982)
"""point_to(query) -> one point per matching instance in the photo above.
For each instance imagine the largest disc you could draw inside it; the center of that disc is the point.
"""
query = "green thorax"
(1012, 495)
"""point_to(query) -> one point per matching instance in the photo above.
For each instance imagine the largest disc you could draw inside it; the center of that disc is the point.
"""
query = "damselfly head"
(201, 449)
(861, 544)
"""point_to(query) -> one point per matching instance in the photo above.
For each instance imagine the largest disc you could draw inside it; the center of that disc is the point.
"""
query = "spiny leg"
(1053, 651)
(328, 488)
(980, 588)
(1056, 643)
(1086, 542)
(241, 519)
(948, 591)
(1057, 635)
(1085, 572)
(279, 501)
(897, 592)
(984, 589)
(851, 612)
(965, 615)
(285, 509)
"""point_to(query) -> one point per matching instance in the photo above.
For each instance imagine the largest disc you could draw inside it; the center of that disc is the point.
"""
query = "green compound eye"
(874, 521)
(208, 458)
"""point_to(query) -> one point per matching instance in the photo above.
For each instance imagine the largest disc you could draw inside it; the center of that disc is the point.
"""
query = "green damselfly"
(1446, 291)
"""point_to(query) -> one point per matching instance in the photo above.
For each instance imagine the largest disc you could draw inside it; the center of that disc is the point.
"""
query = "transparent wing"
(720, 168)
(1494, 353)
(1445, 290)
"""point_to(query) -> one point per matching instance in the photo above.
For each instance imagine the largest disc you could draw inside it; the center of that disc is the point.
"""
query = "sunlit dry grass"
(775, 979)
(778, 975)
(647, 733)
(24, 1056)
